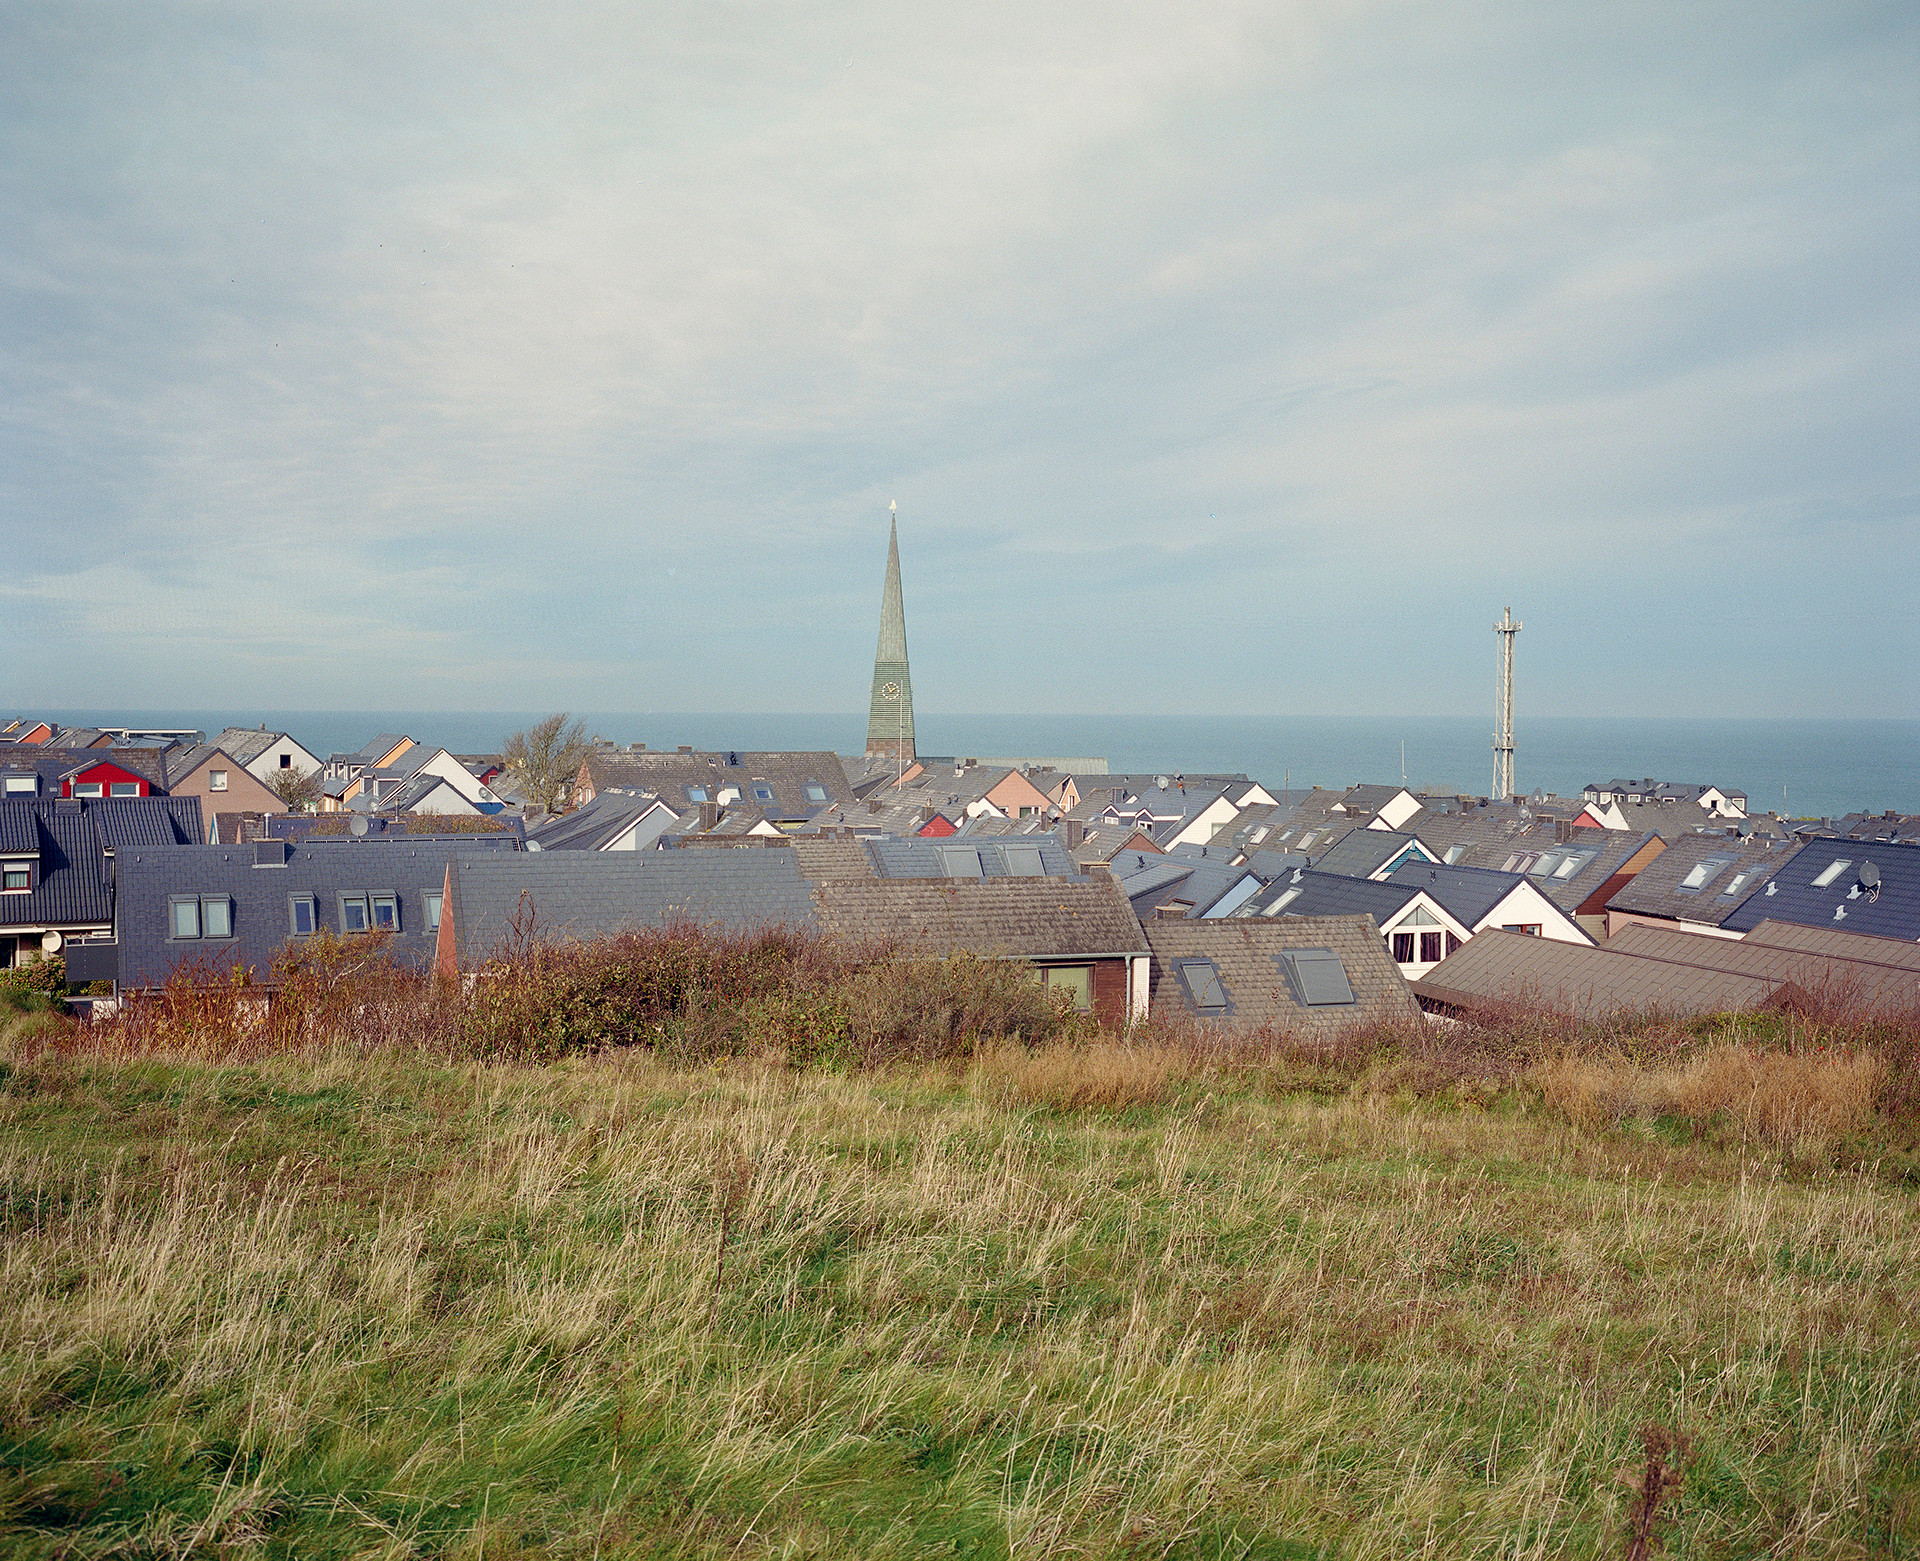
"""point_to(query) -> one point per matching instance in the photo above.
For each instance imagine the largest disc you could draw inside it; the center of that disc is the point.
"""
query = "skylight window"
(960, 861)
(1830, 874)
(696, 794)
(1454, 853)
(1023, 861)
(762, 793)
(1282, 903)
(1571, 865)
(816, 792)
(1201, 978)
(1318, 978)
(1705, 871)
(1736, 882)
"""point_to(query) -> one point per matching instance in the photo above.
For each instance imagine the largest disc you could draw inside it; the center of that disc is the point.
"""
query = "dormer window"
(123, 789)
(22, 785)
(16, 877)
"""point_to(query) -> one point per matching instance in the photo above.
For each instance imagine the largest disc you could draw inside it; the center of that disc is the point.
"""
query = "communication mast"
(1506, 628)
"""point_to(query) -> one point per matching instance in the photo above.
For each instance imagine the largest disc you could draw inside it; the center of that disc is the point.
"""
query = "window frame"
(217, 780)
(225, 903)
(432, 905)
(176, 904)
(123, 788)
(360, 898)
(1048, 972)
(89, 789)
(312, 904)
(1404, 943)
(1196, 986)
(22, 865)
(376, 899)
(1294, 964)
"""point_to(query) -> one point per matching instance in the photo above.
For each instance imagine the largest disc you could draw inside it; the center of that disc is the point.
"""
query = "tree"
(299, 789)
(542, 761)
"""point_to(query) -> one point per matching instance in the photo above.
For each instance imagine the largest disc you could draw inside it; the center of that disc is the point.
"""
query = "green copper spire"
(890, 713)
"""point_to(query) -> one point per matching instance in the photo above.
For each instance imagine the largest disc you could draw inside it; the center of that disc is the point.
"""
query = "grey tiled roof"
(579, 895)
(1363, 852)
(1867, 947)
(1022, 917)
(918, 857)
(1468, 894)
(1891, 909)
(608, 816)
(669, 775)
(1660, 889)
(823, 857)
(245, 743)
(1830, 979)
(1330, 894)
(1247, 958)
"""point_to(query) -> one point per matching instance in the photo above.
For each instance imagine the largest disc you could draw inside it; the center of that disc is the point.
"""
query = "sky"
(1224, 359)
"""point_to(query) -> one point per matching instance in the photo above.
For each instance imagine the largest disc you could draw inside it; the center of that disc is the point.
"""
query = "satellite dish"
(1869, 876)
(1162, 782)
(357, 825)
(51, 942)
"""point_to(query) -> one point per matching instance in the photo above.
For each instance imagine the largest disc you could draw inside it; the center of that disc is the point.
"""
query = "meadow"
(1068, 1295)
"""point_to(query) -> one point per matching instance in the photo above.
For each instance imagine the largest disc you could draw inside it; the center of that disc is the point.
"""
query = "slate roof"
(1830, 980)
(610, 815)
(569, 895)
(1497, 969)
(1330, 894)
(1000, 857)
(1035, 918)
(1468, 894)
(246, 743)
(669, 775)
(1363, 852)
(1246, 957)
(1740, 866)
(1846, 902)
(72, 839)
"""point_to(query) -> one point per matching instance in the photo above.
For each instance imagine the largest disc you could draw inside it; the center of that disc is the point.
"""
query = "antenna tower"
(1506, 628)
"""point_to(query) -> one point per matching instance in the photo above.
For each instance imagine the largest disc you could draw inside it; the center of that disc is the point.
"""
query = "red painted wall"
(106, 774)
(938, 827)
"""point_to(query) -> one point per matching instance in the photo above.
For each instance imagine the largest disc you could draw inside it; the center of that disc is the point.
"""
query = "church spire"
(890, 712)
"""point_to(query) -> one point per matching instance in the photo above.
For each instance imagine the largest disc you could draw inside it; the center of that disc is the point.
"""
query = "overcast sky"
(1222, 358)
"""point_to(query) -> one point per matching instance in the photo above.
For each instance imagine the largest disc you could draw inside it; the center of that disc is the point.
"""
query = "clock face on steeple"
(889, 690)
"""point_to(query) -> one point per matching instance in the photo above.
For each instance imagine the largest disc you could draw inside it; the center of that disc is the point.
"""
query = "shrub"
(45, 976)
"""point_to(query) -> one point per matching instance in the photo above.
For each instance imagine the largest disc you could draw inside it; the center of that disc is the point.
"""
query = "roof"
(593, 827)
(72, 839)
(1701, 878)
(1329, 894)
(1468, 894)
(1829, 979)
(788, 775)
(1363, 852)
(1035, 918)
(567, 895)
(1497, 969)
(1248, 958)
(1871, 887)
(1849, 945)
(822, 857)
(246, 743)
(1024, 856)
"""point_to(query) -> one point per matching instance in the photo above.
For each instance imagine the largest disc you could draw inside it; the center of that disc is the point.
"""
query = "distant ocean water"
(1802, 767)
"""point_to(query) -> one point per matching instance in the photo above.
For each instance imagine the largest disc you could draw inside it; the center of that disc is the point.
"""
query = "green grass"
(352, 1307)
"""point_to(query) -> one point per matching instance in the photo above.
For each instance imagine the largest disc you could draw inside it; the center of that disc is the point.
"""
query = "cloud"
(443, 333)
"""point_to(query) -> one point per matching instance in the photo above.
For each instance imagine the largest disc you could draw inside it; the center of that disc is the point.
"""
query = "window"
(1735, 882)
(1453, 942)
(1830, 874)
(1023, 861)
(1287, 898)
(286, 761)
(185, 918)
(1201, 978)
(1573, 864)
(124, 789)
(16, 877)
(816, 792)
(21, 785)
(960, 861)
(1529, 929)
(762, 793)
(1704, 872)
(86, 789)
(353, 913)
(1075, 980)
(1403, 948)
(300, 915)
(696, 794)
(1430, 948)
(216, 917)
(433, 910)
(386, 912)
(216, 780)
(1317, 977)
(1454, 853)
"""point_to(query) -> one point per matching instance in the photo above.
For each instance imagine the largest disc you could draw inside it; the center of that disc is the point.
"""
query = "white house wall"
(1397, 923)
(1200, 828)
(265, 768)
(1526, 906)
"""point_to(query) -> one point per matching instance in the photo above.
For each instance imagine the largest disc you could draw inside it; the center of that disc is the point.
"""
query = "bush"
(47, 977)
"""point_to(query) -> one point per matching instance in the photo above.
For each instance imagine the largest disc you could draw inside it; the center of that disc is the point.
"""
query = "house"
(1714, 801)
(613, 821)
(1372, 853)
(1316, 975)
(1078, 937)
(1481, 898)
(219, 780)
(1696, 884)
(120, 776)
(266, 755)
(28, 732)
(1500, 971)
(58, 867)
(789, 787)
(1184, 883)
(1025, 856)
(1415, 928)
(1378, 807)
(429, 793)
(1846, 977)
(1847, 885)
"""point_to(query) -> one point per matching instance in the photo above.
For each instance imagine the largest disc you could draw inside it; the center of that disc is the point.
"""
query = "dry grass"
(1099, 1300)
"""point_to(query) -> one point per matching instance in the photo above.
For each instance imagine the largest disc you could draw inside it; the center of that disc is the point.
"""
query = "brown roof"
(1831, 980)
(1495, 969)
(1659, 889)
(1246, 956)
(1863, 946)
(1035, 918)
(824, 857)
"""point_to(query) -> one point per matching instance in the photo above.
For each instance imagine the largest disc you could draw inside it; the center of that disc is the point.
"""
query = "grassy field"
(1090, 1302)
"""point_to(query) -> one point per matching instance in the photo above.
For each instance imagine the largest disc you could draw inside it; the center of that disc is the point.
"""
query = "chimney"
(686, 747)
(1100, 871)
(1073, 833)
(875, 805)
(709, 816)
(1563, 830)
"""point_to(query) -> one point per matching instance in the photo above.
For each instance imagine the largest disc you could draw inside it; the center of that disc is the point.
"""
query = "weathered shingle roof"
(1247, 956)
(1733, 869)
(1029, 917)
(1867, 947)
(823, 857)
(1497, 969)
(1831, 980)
(1363, 852)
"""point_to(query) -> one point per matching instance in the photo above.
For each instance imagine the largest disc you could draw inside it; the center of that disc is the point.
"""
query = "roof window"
(1454, 853)
(762, 792)
(1734, 883)
(1317, 977)
(960, 861)
(816, 792)
(696, 794)
(1023, 861)
(1704, 872)
(1201, 978)
(1830, 874)
(1283, 901)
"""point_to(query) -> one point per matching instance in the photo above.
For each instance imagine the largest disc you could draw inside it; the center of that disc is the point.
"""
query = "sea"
(1800, 767)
